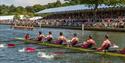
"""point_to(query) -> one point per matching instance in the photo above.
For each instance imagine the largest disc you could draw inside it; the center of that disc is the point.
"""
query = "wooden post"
(82, 30)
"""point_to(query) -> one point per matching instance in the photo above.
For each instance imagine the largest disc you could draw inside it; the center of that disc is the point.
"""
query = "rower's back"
(61, 38)
(49, 37)
(74, 40)
(89, 43)
(122, 51)
(105, 45)
(40, 36)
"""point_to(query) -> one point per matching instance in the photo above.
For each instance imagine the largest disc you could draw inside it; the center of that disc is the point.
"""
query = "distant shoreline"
(86, 28)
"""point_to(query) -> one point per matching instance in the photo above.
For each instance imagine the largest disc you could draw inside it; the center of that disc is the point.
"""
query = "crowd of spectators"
(112, 19)
(25, 22)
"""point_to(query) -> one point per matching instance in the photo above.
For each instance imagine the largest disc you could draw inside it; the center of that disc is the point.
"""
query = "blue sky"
(26, 2)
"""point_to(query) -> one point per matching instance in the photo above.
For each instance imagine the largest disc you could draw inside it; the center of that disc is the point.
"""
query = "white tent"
(36, 18)
(10, 17)
(7, 17)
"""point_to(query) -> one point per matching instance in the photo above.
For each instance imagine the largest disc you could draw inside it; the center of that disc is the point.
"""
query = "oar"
(13, 39)
(72, 52)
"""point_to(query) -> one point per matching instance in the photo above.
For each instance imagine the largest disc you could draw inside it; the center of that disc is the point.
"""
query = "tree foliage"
(31, 10)
(28, 10)
(16, 16)
(96, 3)
(37, 8)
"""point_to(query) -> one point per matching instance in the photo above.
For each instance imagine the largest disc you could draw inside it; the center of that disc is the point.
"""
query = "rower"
(27, 37)
(61, 39)
(49, 37)
(122, 51)
(40, 36)
(89, 43)
(105, 45)
(74, 40)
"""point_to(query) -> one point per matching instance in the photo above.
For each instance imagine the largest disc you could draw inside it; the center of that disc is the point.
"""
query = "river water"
(12, 55)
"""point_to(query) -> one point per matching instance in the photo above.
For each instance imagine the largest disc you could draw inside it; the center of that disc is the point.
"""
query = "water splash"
(21, 50)
(3, 46)
(45, 55)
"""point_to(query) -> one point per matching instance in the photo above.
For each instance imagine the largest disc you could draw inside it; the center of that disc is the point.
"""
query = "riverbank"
(87, 28)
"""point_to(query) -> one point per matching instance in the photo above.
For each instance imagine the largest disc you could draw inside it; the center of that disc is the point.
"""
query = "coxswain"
(122, 51)
(89, 43)
(105, 45)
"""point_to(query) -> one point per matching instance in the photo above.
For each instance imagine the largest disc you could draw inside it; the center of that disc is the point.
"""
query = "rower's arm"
(94, 44)
(65, 40)
(102, 44)
(72, 39)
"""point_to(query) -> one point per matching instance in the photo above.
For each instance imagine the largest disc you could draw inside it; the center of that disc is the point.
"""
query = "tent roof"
(69, 8)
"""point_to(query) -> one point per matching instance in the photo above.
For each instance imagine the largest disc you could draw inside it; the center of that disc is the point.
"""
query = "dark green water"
(12, 55)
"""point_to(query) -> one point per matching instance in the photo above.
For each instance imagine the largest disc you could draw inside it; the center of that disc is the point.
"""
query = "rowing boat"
(23, 27)
(72, 48)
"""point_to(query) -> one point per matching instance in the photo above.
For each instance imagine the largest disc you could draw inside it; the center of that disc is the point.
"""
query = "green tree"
(57, 4)
(20, 10)
(66, 4)
(16, 17)
(30, 15)
(12, 9)
(96, 3)
(38, 7)
(29, 9)
(54, 4)
(74, 2)
(4, 10)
